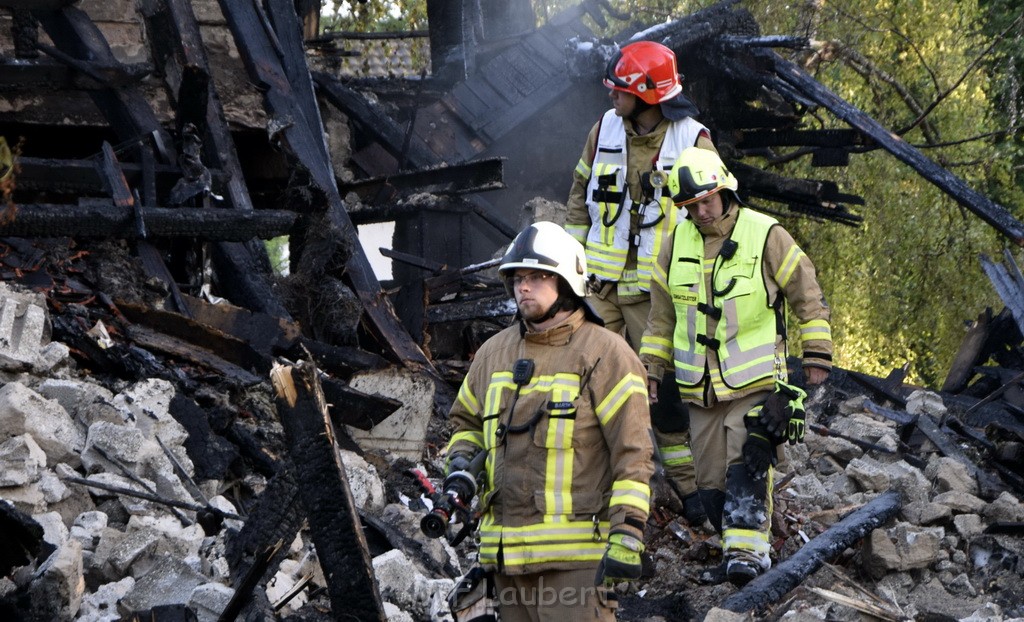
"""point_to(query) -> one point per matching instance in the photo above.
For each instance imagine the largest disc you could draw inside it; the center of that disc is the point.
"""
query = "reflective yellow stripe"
(788, 266)
(630, 385)
(656, 346)
(583, 169)
(469, 436)
(818, 330)
(467, 399)
(558, 465)
(539, 543)
(745, 539)
(674, 455)
(578, 231)
(634, 494)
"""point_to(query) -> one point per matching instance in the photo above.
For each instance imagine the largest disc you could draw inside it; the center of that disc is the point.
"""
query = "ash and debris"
(955, 551)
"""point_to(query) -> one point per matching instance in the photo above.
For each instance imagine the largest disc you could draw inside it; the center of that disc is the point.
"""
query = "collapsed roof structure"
(191, 131)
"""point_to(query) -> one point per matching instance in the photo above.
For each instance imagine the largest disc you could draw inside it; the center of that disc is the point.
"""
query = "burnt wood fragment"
(968, 355)
(185, 351)
(773, 585)
(1009, 284)
(342, 361)
(330, 508)
(989, 486)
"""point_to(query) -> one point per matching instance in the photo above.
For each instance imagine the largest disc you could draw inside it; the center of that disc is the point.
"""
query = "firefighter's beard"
(532, 311)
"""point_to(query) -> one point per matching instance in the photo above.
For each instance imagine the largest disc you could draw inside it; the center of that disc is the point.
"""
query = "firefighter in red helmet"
(620, 211)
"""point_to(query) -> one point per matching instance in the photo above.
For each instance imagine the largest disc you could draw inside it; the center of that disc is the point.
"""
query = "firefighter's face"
(706, 210)
(624, 103)
(535, 292)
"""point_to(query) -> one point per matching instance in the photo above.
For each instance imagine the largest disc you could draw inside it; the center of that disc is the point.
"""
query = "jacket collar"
(558, 335)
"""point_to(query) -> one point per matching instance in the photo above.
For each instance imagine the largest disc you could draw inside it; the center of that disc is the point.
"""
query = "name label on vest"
(689, 298)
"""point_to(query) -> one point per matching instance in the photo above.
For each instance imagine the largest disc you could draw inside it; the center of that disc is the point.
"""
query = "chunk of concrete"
(148, 404)
(24, 328)
(950, 474)
(87, 529)
(960, 502)
(1006, 508)
(169, 582)
(57, 589)
(101, 605)
(403, 432)
(23, 411)
(119, 442)
(54, 530)
(80, 400)
(367, 489)
(21, 461)
(925, 513)
(869, 475)
(900, 548)
(209, 600)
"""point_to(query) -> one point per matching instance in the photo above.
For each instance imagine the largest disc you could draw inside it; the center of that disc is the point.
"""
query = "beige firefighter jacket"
(641, 152)
(555, 491)
(784, 267)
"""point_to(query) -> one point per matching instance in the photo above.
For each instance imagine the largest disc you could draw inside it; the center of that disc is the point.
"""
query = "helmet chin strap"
(640, 108)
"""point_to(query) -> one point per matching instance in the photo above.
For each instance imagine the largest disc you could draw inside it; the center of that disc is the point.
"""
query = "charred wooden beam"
(36, 5)
(790, 573)
(801, 138)
(79, 176)
(494, 306)
(368, 214)
(116, 221)
(110, 170)
(186, 351)
(341, 361)
(1009, 284)
(126, 109)
(476, 176)
(991, 212)
(817, 197)
(288, 92)
(242, 270)
(355, 408)
(333, 518)
(99, 74)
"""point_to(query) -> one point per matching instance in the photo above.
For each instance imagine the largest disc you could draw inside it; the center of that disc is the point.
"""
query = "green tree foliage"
(352, 15)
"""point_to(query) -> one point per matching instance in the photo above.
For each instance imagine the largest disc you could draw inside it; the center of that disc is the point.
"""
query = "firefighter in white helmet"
(559, 405)
(717, 322)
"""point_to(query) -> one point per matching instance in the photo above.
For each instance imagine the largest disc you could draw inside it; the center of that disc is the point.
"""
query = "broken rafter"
(288, 93)
(119, 221)
(241, 268)
(991, 212)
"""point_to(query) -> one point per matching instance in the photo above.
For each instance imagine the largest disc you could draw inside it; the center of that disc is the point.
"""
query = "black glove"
(693, 509)
(783, 414)
(457, 462)
(758, 452)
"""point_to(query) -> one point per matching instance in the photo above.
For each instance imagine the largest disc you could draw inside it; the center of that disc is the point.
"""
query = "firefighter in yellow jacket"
(718, 321)
(560, 406)
(618, 209)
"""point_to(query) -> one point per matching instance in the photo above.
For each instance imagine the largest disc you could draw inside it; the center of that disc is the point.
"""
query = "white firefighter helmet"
(546, 246)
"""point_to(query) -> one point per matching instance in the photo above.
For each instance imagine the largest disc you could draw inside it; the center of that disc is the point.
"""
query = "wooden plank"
(962, 368)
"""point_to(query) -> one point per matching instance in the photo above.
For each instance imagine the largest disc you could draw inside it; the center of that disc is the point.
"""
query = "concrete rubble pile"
(104, 555)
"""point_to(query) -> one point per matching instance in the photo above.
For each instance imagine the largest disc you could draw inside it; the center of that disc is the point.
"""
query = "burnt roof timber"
(178, 48)
(991, 212)
(288, 95)
(468, 177)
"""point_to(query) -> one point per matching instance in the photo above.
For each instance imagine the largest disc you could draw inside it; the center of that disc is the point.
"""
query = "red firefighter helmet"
(645, 69)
